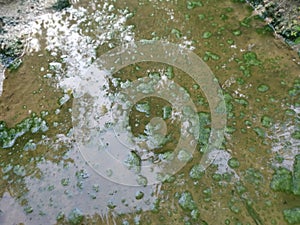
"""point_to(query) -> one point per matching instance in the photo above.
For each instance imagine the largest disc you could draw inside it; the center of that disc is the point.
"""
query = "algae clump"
(187, 202)
(282, 180)
(292, 216)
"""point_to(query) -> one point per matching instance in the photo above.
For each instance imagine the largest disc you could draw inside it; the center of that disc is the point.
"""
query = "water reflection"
(49, 178)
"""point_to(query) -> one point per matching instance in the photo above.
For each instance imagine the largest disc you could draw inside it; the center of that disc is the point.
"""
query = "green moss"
(292, 216)
(282, 180)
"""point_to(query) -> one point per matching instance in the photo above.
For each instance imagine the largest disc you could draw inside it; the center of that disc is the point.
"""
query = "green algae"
(60, 216)
(28, 209)
(292, 216)
(250, 58)
(210, 55)
(195, 214)
(260, 132)
(187, 202)
(296, 176)
(263, 88)
(253, 213)
(196, 172)
(143, 107)
(233, 163)
(296, 135)
(237, 32)
(266, 121)
(32, 125)
(75, 217)
(176, 32)
(169, 72)
(139, 195)
(205, 128)
(241, 101)
(282, 180)
(295, 90)
(206, 35)
(193, 4)
(133, 162)
(167, 112)
(10, 51)
(287, 181)
(15, 64)
(184, 156)
(65, 181)
(254, 177)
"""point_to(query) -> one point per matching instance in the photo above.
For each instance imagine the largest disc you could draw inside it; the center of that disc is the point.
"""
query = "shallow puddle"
(58, 119)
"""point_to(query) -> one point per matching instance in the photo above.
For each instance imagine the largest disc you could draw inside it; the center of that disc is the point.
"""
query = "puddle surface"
(254, 178)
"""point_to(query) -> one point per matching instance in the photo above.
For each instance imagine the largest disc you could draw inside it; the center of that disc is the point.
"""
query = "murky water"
(45, 179)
